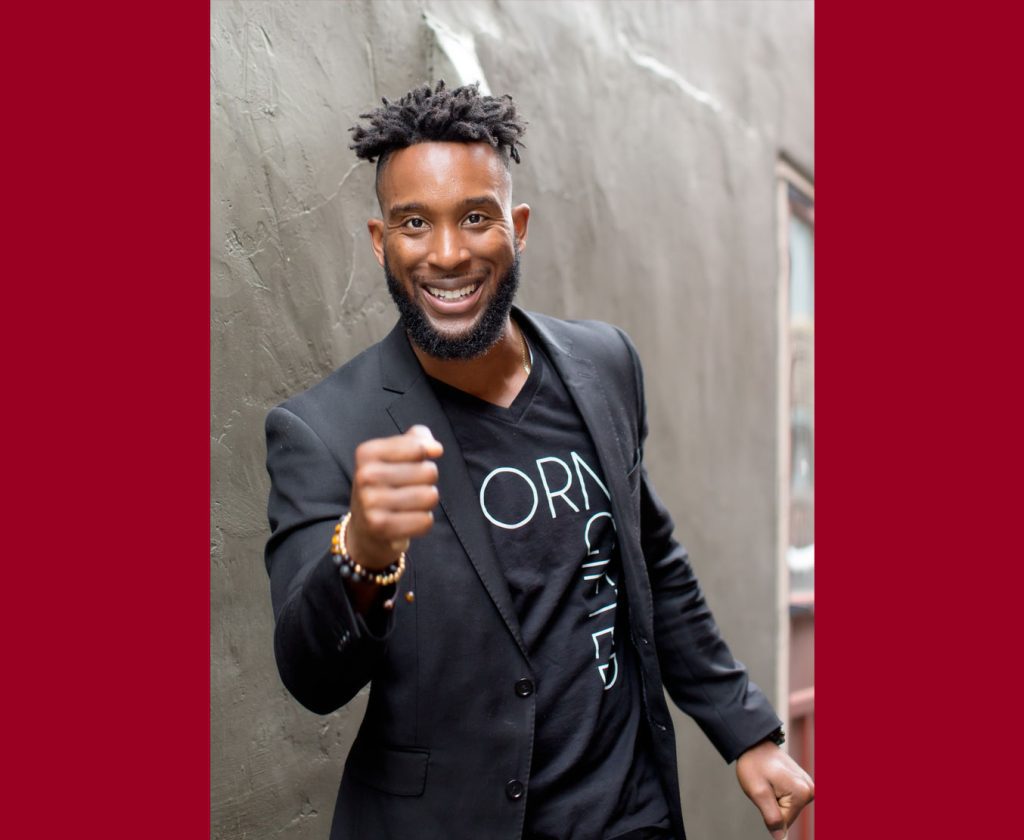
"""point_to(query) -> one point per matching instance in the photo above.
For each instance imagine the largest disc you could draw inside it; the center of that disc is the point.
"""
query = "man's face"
(449, 242)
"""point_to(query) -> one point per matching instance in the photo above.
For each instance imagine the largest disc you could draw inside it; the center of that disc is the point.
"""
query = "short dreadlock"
(461, 115)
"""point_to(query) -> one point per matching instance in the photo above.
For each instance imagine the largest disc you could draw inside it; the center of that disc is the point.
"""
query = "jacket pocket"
(401, 772)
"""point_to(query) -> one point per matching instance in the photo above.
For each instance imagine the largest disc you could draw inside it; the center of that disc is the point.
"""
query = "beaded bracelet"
(351, 570)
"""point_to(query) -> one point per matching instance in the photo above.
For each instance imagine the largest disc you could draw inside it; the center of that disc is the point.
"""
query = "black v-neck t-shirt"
(541, 490)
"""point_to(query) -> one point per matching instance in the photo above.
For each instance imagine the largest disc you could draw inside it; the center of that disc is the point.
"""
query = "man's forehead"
(443, 169)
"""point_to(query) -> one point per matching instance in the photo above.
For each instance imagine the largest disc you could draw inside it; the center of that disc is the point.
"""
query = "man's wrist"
(351, 570)
(365, 597)
(777, 737)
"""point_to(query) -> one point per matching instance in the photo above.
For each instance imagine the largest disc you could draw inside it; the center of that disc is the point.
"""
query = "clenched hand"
(776, 784)
(394, 492)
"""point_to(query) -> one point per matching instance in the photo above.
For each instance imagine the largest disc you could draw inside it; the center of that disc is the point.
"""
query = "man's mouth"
(452, 294)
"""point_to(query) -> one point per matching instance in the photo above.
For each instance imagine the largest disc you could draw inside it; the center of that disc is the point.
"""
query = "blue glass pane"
(801, 270)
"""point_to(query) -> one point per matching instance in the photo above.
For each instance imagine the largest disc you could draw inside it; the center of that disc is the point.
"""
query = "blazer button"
(515, 789)
(524, 687)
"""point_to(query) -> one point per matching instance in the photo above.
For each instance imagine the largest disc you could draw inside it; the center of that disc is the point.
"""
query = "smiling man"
(461, 518)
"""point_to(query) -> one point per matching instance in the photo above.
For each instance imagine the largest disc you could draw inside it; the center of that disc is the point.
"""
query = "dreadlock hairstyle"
(461, 115)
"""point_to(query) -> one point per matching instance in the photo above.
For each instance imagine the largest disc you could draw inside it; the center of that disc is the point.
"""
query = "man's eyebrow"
(477, 200)
(419, 207)
(408, 207)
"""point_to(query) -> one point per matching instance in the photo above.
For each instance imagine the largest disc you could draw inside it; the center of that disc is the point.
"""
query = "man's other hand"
(776, 784)
(394, 492)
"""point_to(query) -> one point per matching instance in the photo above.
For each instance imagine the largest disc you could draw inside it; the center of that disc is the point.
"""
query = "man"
(461, 517)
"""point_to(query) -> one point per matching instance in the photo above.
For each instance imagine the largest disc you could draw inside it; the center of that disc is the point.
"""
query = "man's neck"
(497, 376)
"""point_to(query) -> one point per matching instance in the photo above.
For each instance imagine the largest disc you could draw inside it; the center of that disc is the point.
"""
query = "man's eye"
(475, 218)
(415, 223)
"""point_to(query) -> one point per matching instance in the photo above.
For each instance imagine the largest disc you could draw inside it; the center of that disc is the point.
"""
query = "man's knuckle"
(365, 451)
(365, 475)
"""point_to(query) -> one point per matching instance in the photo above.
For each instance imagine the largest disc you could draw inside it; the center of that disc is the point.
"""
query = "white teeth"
(455, 294)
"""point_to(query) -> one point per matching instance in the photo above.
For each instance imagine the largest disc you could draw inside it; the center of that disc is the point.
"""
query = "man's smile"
(452, 294)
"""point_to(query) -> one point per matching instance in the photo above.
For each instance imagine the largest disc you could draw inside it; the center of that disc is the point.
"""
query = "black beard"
(478, 341)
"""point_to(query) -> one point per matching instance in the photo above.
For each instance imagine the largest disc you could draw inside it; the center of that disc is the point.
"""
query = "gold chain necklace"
(526, 351)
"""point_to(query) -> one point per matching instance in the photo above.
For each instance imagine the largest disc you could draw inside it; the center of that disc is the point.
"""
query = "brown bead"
(410, 597)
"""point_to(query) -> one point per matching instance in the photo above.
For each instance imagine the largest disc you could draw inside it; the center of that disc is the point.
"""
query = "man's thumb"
(430, 444)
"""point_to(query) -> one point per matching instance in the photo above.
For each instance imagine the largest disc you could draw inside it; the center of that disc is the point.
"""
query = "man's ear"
(520, 223)
(376, 228)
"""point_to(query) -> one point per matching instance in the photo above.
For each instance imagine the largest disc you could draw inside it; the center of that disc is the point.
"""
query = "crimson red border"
(918, 185)
(106, 421)
(106, 418)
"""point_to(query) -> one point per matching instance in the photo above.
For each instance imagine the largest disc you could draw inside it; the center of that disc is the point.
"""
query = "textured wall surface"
(654, 131)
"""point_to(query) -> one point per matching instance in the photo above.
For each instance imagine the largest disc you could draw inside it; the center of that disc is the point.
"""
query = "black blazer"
(444, 749)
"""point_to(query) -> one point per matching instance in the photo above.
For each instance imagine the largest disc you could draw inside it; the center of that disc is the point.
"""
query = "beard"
(480, 338)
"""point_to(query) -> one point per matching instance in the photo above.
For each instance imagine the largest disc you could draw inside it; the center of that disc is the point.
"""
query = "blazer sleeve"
(699, 671)
(325, 651)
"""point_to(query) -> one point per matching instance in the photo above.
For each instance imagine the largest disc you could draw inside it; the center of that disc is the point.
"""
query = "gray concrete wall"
(654, 130)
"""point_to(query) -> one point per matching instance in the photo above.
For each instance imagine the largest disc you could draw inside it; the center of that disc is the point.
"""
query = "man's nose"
(447, 251)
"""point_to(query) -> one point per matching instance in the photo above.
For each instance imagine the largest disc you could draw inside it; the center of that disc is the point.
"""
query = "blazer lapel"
(584, 385)
(416, 404)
